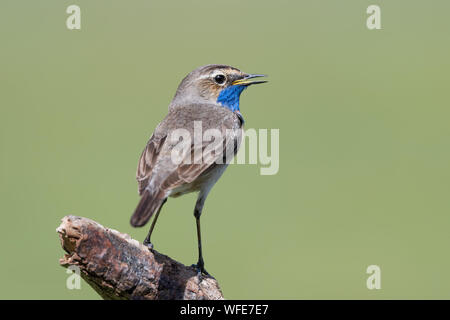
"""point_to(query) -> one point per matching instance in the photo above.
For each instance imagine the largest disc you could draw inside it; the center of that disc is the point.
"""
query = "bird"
(208, 97)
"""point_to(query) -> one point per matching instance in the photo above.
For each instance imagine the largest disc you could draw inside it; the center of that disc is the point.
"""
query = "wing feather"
(155, 164)
(148, 160)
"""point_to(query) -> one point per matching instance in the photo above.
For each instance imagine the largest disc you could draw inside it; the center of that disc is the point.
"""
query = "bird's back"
(159, 176)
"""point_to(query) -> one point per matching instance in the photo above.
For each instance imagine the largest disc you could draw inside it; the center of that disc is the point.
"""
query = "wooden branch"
(118, 267)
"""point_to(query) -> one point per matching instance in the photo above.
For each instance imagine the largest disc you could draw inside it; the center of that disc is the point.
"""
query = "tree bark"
(118, 267)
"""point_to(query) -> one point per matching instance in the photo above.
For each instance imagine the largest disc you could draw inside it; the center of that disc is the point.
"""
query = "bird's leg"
(147, 241)
(197, 213)
(200, 263)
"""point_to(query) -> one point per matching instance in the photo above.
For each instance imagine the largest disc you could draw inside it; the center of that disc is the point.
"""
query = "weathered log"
(118, 267)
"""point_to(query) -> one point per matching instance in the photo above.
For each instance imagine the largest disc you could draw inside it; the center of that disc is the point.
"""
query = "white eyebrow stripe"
(205, 76)
(212, 74)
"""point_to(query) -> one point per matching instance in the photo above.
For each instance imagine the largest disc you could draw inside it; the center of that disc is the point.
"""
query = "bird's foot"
(201, 271)
(148, 244)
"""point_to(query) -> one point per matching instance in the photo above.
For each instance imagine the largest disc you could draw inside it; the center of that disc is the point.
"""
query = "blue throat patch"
(229, 97)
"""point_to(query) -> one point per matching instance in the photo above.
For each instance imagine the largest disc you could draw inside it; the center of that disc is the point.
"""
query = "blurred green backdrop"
(364, 141)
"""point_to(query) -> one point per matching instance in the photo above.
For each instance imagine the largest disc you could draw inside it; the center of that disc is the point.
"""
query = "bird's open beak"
(247, 80)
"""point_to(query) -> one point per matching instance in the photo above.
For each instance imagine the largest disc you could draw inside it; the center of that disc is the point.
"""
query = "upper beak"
(247, 80)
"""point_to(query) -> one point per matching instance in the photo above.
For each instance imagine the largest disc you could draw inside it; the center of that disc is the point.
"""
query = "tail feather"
(150, 202)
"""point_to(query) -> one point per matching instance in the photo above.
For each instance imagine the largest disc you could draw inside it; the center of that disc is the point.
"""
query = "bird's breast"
(204, 182)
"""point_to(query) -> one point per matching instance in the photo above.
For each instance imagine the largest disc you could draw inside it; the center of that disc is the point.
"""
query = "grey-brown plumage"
(158, 177)
(198, 100)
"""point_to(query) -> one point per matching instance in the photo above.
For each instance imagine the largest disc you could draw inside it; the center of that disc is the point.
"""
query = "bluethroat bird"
(209, 96)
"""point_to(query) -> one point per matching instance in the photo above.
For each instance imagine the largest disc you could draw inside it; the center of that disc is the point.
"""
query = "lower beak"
(247, 80)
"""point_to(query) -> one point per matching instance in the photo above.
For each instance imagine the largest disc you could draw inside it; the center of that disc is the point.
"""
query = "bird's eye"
(219, 79)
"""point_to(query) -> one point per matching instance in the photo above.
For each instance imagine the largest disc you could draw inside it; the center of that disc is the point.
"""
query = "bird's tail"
(150, 202)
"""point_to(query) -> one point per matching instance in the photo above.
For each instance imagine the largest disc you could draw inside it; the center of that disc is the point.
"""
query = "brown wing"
(157, 174)
(211, 152)
(148, 160)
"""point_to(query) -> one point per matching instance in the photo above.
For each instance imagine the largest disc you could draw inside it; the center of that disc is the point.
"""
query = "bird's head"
(215, 84)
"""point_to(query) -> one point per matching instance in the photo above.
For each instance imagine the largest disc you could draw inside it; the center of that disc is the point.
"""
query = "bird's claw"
(201, 272)
(148, 244)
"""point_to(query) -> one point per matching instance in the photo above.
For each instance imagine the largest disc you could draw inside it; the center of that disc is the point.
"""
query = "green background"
(364, 141)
